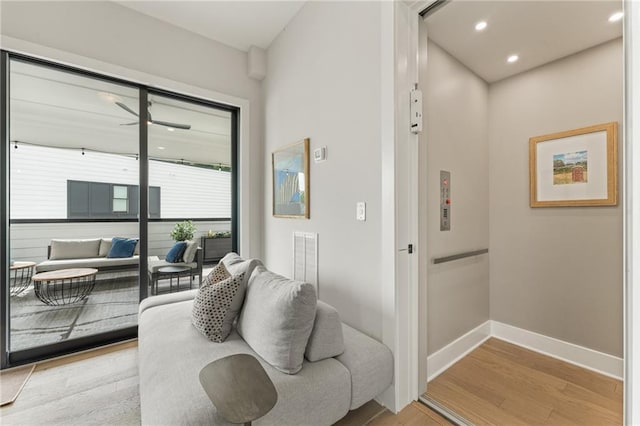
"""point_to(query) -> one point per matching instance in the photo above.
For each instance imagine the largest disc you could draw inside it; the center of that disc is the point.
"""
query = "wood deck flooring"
(503, 384)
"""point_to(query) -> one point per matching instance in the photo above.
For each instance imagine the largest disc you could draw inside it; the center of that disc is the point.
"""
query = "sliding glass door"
(87, 176)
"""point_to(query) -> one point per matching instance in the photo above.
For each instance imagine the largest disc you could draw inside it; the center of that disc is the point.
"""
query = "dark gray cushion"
(277, 318)
(326, 340)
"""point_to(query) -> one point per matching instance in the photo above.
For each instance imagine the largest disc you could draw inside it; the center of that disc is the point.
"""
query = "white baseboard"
(444, 358)
(440, 361)
(590, 359)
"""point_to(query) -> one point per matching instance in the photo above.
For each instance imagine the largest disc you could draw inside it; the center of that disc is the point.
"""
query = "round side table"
(20, 276)
(173, 271)
(239, 388)
(64, 286)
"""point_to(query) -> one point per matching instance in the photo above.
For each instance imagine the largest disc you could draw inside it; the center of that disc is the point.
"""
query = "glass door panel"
(73, 187)
(190, 178)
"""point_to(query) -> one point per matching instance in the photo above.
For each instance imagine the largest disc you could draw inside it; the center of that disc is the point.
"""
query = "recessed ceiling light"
(170, 129)
(481, 25)
(513, 58)
(161, 147)
(616, 17)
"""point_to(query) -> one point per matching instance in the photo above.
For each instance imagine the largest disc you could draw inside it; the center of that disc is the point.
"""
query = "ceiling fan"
(151, 120)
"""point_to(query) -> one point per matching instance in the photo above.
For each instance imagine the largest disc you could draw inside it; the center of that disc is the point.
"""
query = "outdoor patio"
(113, 304)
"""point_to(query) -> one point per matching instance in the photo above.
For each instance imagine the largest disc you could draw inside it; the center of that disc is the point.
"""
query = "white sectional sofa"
(348, 367)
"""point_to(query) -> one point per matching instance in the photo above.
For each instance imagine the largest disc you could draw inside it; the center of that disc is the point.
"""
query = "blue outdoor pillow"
(176, 252)
(122, 247)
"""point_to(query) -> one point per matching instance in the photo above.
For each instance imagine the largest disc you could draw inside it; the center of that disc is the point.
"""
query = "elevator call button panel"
(445, 200)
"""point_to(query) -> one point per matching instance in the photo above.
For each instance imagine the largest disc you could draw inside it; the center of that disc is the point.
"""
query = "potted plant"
(183, 231)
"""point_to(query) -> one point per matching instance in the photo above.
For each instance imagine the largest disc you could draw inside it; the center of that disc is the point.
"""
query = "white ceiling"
(538, 31)
(238, 24)
(59, 109)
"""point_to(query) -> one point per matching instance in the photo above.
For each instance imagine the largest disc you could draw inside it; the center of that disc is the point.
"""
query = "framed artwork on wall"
(291, 181)
(575, 167)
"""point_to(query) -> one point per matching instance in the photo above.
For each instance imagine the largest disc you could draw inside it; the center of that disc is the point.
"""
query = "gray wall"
(555, 271)
(324, 83)
(456, 120)
(114, 34)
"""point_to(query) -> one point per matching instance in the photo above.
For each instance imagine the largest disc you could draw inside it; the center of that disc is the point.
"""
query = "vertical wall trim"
(235, 189)
(631, 183)
(143, 170)
(4, 209)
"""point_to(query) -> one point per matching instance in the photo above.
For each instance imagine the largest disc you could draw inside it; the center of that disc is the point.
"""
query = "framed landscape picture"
(575, 168)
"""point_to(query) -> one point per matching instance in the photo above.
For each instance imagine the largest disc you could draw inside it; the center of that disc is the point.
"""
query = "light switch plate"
(361, 211)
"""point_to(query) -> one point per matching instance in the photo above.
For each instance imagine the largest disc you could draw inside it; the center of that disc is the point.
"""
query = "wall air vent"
(305, 257)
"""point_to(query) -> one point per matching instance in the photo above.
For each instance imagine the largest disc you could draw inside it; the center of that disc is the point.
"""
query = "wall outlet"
(361, 211)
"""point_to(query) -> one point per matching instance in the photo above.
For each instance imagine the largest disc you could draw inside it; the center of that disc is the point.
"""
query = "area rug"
(12, 381)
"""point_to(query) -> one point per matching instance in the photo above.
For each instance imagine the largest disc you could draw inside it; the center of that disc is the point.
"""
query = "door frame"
(407, 13)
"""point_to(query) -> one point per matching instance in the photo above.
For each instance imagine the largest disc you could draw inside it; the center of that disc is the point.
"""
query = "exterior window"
(100, 200)
(120, 199)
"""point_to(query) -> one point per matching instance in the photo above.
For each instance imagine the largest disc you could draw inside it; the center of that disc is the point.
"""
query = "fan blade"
(126, 108)
(129, 124)
(174, 125)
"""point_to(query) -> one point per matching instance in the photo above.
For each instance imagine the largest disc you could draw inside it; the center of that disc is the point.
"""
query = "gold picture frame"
(290, 188)
(575, 168)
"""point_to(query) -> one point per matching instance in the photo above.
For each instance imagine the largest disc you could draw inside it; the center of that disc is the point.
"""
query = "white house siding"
(39, 182)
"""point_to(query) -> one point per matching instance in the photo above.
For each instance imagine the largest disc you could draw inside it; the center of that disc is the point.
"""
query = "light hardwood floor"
(504, 384)
(101, 388)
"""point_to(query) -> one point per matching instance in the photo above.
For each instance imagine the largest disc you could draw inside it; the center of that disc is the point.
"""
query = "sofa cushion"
(190, 252)
(210, 314)
(105, 246)
(236, 265)
(326, 339)
(91, 262)
(370, 364)
(217, 274)
(277, 318)
(74, 249)
(122, 247)
(176, 252)
(154, 265)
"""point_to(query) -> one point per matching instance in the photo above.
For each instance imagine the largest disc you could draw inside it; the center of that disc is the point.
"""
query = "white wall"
(324, 83)
(456, 140)
(109, 38)
(39, 183)
(555, 271)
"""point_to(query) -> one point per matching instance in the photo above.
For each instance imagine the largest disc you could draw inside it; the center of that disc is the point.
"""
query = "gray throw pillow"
(211, 313)
(190, 252)
(326, 339)
(277, 318)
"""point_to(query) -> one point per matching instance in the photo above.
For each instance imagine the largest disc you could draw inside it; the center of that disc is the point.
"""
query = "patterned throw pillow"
(211, 308)
(216, 275)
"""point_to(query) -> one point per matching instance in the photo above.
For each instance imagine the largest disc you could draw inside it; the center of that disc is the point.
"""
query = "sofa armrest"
(370, 364)
(165, 299)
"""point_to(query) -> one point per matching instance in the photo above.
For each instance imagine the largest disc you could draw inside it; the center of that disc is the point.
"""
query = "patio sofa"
(85, 253)
(341, 370)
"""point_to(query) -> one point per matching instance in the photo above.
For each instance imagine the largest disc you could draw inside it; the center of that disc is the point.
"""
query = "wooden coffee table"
(64, 286)
(20, 276)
